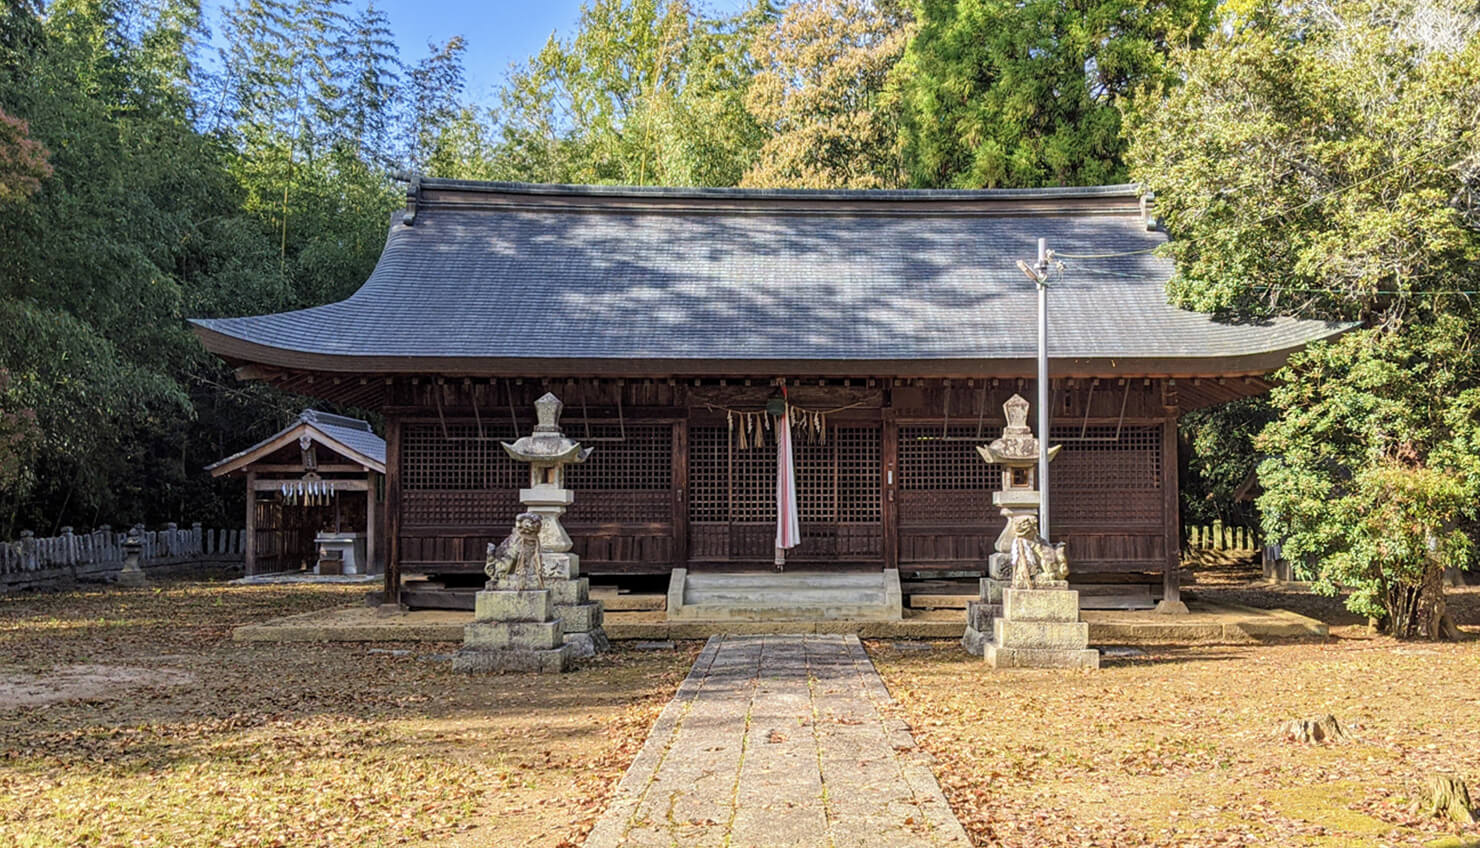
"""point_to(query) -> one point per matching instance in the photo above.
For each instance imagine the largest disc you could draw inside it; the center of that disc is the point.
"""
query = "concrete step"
(785, 596)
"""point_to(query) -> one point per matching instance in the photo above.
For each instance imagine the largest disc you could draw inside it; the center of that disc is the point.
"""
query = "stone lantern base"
(571, 594)
(987, 606)
(513, 630)
(1040, 628)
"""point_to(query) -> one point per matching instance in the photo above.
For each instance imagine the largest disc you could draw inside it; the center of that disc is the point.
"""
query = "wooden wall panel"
(460, 490)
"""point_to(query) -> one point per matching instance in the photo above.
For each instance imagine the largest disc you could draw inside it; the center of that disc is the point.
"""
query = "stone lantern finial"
(547, 413)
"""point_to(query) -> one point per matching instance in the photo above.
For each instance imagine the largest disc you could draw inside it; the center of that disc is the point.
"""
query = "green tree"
(822, 93)
(137, 225)
(1006, 93)
(1319, 160)
(647, 92)
(1217, 460)
(434, 100)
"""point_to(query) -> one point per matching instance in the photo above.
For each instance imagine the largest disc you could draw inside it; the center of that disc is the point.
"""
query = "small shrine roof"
(351, 438)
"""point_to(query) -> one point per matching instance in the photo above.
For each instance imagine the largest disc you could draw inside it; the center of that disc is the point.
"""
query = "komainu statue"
(1035, 561)
(515, 562)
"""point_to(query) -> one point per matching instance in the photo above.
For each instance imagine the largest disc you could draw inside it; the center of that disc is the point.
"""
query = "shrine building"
(896, 323)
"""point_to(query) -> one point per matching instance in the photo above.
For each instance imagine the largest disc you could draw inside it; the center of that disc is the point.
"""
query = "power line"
(1106, 255)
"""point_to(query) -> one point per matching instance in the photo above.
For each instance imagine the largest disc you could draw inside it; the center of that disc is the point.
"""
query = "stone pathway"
(779, 741)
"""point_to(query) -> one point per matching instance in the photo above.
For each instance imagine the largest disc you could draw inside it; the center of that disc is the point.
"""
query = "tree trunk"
(1420, 612)
(1314, 731)
(1449, 797)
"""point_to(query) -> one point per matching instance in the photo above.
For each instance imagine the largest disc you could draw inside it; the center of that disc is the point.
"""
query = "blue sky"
(498, 32)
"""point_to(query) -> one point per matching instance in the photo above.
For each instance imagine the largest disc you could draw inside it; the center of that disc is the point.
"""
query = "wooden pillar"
(392, 510)
(680, 487)
(372, 536)
(1171, 600)
(889, 481)
(249, 544)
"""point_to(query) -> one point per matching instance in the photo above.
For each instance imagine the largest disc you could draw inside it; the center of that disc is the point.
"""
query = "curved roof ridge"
(905, 195)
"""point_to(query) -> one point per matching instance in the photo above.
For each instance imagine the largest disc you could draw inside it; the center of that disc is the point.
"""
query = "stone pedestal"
(513, 630)
(1040, 628)
(987, 606)
(571, 595)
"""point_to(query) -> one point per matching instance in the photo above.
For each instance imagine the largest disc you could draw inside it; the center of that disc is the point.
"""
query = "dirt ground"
(132, 719)
(1178, 747)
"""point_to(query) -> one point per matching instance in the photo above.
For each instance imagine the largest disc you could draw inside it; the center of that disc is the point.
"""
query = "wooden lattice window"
(1103, 477)
(455, 478)
(709, 475)
(929, 463)
(643, 461)
(837, 480)
(457, 460)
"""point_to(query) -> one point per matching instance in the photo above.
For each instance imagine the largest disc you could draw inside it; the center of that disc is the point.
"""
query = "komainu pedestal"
(513, 630)
(1040, 628)
(515, 626)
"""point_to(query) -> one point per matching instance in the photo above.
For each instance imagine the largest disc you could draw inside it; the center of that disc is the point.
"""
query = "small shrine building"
(669, 321)
(312, 486)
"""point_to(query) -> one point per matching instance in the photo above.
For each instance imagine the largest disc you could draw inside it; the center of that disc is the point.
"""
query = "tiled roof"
(353, 433)
(332, 431)
(758, 276)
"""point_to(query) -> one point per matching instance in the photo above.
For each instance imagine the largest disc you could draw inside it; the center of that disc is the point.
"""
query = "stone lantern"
(1026, 615)
(131, 574)
(548, 452)
(1017, 452)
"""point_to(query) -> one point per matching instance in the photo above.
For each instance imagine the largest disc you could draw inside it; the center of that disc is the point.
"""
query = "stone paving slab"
(780, 740)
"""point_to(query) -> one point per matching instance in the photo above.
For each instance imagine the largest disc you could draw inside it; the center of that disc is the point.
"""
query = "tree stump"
(1449, 797)
(1312, 731)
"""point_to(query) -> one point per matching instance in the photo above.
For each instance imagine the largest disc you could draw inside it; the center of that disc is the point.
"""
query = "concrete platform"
(785, 596)
(1208, 624)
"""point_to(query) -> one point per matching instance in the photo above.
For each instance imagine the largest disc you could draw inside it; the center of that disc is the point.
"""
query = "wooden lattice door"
(732, 497)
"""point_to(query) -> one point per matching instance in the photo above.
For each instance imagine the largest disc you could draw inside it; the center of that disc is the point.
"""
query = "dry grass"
(1177, 747)
(299, 744)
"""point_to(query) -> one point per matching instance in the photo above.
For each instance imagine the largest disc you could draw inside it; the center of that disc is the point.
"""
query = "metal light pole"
(1038, 273)
(1043, 406)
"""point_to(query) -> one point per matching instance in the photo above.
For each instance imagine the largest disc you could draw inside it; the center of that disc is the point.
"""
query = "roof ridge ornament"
(413, 194)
